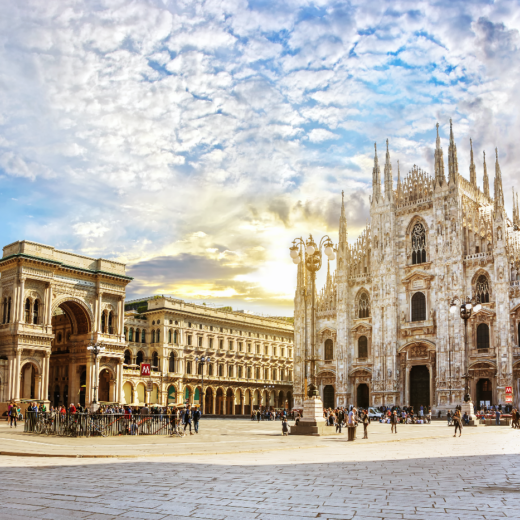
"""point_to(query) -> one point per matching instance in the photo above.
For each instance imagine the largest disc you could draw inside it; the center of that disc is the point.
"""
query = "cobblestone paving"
(472, 478)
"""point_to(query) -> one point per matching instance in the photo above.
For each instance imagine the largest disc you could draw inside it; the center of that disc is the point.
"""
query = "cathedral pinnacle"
(499, 193)
(376, 178)
(486, 178)
(516, 216)
(453, 164)
(472, 171)
(440, 179)
(389, 181)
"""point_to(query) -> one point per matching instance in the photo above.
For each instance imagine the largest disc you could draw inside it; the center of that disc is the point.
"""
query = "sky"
(194, 140)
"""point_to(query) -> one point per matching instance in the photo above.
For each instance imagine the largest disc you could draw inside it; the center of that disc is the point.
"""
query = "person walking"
(285, 427)
(13, 416)
(187, 419)
(457, 420)
(366, 422)
(498, 417)
(448, 416)
(339, 423)
(196, 417)
(393, 421)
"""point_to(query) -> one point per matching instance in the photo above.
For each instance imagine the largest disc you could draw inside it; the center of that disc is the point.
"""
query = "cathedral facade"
(383, 330)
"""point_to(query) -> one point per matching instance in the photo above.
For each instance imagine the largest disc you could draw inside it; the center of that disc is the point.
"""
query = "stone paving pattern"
(420, 477)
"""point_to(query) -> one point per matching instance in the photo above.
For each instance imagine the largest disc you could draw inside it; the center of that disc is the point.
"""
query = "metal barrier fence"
(105, 425)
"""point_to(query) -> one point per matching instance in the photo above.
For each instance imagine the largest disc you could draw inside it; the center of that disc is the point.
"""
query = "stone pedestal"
(467, 407)
(312, 422)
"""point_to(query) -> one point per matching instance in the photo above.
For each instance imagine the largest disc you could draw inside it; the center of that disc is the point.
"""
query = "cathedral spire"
(440, 179)
(342, 222)
(376, 177)
(486, 178)
(453, 164)
(472, 171)
(515, 209)
(398, 179)
(300, 277)
(499, 193)
(389, 181)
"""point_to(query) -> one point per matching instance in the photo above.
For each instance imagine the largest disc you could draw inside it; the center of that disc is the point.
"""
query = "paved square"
(237, 470)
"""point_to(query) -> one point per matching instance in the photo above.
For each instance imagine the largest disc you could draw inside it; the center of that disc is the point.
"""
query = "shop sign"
(145, 369)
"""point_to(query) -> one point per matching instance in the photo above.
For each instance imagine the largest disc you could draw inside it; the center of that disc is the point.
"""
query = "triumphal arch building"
(384, 333)
(54, 304)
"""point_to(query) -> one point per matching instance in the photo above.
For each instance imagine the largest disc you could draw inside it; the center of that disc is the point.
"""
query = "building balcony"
(417, 328)
(362, 361)
(482, 352)
(479, 259)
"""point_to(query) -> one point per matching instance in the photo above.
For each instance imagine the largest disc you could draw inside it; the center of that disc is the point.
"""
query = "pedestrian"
(366, 421)
(196, 417)
(457, 420)
(13, 416)
(285, 427)
(187, 419)
(393, 421)
(498, 416)
(258, 414)
(448, 416)
(339, 423)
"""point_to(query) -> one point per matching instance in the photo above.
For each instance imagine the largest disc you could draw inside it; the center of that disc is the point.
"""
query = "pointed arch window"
(418, 307)
(418, 244)
(155, 361)
(103, 322)
(170, 336)
(36, 310)
(140, 358)
(111, 322)
(364, 306)
(158, 336)
(482, 289)
(27, 311)
(363, 347)
(143, 336)
(128, 357)
(175, 336)
(5, 311)
(483, 336)
(131, 335)
(9, 310)
(153, 336)
(171, 362)
(329, 350)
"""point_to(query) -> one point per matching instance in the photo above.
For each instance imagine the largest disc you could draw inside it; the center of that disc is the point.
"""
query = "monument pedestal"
(312, 422)
(467, 407)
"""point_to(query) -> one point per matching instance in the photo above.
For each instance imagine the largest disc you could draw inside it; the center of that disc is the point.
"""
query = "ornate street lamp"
(204, 360)
(467, 307)
(313, 262)
(96, 349)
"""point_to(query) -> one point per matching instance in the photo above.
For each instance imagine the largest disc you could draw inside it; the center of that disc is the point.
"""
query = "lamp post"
(313, 262)
(96, 349)
(201, 362)
(467, 307)
(269, 388)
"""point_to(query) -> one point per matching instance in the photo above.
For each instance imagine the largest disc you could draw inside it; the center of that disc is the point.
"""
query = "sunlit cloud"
(195, 140)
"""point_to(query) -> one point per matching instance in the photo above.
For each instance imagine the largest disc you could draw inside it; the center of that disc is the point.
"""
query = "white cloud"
(318, 135)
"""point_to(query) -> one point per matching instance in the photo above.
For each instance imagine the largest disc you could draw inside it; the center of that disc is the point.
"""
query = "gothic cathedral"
(384, 333)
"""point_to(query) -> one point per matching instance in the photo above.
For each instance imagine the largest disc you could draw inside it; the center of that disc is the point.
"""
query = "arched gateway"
(61, 303)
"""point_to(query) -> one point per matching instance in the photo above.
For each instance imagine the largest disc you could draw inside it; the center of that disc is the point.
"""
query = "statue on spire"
(486, 178)
(376, 178)
(453, 164)
(389, 181)
(472, 171)
(499, 192)
(440, 178)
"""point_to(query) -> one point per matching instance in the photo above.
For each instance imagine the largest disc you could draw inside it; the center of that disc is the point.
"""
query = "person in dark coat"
(187, 419)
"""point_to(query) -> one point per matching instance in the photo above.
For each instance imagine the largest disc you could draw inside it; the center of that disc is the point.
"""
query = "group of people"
(269, 415)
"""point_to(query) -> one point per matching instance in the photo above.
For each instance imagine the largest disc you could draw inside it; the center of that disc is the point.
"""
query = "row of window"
(219, 368)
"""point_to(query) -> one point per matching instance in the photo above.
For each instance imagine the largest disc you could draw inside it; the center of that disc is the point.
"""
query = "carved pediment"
(362, 327)
(417, 280)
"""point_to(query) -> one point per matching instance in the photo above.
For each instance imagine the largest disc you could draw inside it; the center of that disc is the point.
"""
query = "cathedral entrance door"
(328, 397)
(484, 395)
(363, 397)
(419, 387)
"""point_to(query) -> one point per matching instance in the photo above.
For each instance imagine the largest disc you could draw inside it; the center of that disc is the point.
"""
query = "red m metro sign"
(145, 369)
(509, 389)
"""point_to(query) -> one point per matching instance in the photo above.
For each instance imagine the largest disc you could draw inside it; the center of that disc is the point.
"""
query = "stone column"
(407, 387)
(135, 398)
(242, 403)
(98, 312)
(45, 375)
(214, 403)
(10, 390)
(38, 386)
(432, 388)
(112, 390)
(47, 319)
(120, 317)
(21, 308)
(17, 374)
(119, 369)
